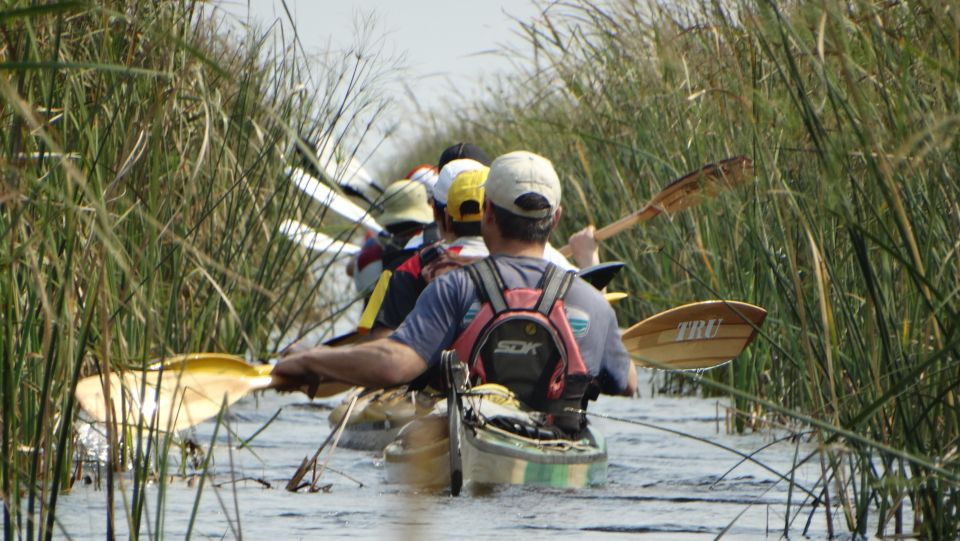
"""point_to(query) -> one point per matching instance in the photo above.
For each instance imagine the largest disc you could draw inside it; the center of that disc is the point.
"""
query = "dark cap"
(460, 151)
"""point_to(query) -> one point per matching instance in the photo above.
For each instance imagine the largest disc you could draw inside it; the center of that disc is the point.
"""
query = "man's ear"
(556, 217)
(447, 222)
(487, 211)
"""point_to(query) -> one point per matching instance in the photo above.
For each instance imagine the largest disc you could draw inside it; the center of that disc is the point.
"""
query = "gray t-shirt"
(449, 304)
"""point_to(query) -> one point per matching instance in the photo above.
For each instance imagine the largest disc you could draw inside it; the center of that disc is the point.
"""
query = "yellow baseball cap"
(467, 187)
(405, 201)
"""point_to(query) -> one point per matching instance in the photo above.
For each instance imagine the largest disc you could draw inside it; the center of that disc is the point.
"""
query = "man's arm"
(379, 332)
(618, 375)
(429, 329)
(380, 363)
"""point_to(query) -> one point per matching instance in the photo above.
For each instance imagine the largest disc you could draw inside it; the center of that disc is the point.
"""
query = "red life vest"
(521, 339)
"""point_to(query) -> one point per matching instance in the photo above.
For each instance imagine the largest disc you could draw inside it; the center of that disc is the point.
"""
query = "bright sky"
(447, 46)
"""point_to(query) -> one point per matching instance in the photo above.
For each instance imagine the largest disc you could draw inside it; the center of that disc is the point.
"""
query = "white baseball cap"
(425, 174)
(450, 172)
(520, 173)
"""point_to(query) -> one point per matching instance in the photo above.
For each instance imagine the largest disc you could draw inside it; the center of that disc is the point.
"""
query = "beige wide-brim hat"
(405, 201)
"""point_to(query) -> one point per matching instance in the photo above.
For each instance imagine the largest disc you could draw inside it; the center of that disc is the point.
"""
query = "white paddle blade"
(314, 240)
(694, 336)
(348, 172)
(334, 201)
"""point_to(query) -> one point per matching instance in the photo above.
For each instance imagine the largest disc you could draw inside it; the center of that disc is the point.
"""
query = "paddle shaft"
(682, 193)
(620, 225)
(193, 387)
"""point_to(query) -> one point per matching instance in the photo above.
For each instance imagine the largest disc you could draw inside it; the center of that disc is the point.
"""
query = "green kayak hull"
(492, 456)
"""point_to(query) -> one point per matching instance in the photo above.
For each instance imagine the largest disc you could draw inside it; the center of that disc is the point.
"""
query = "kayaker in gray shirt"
(521, 209)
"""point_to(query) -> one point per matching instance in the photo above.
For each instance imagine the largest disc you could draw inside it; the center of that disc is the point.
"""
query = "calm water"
(662, 486)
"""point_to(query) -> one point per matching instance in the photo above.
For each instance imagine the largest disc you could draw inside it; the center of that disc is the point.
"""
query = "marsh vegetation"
(849, 237)
(143, 164)
(144, 155)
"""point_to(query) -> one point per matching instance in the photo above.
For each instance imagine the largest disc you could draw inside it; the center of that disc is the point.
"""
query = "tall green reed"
(144, 182)
(848, 237)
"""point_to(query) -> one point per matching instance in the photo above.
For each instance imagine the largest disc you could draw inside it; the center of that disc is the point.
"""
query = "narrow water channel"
(662, 486)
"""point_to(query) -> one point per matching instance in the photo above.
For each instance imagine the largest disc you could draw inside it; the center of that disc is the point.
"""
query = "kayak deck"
(492, 455)
(498, 457)
(377, 417)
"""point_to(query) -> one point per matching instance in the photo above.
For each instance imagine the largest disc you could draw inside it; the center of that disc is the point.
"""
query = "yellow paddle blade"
(172, 399)
(324, 390)
(216, 363)
(694, 336)
(232, 365)
(189, 389)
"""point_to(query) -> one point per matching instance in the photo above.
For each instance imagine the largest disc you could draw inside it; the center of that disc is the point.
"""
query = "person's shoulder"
(469, 246)
(554, 256)
(583, 292)
(452, 289)
(454, 278)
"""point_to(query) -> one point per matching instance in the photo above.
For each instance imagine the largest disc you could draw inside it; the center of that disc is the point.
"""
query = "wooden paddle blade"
(682, 193)
(707, 181)
(694, 336)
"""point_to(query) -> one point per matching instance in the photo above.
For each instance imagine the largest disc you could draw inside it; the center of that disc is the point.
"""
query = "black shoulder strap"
(489, 284)
(554, 285)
